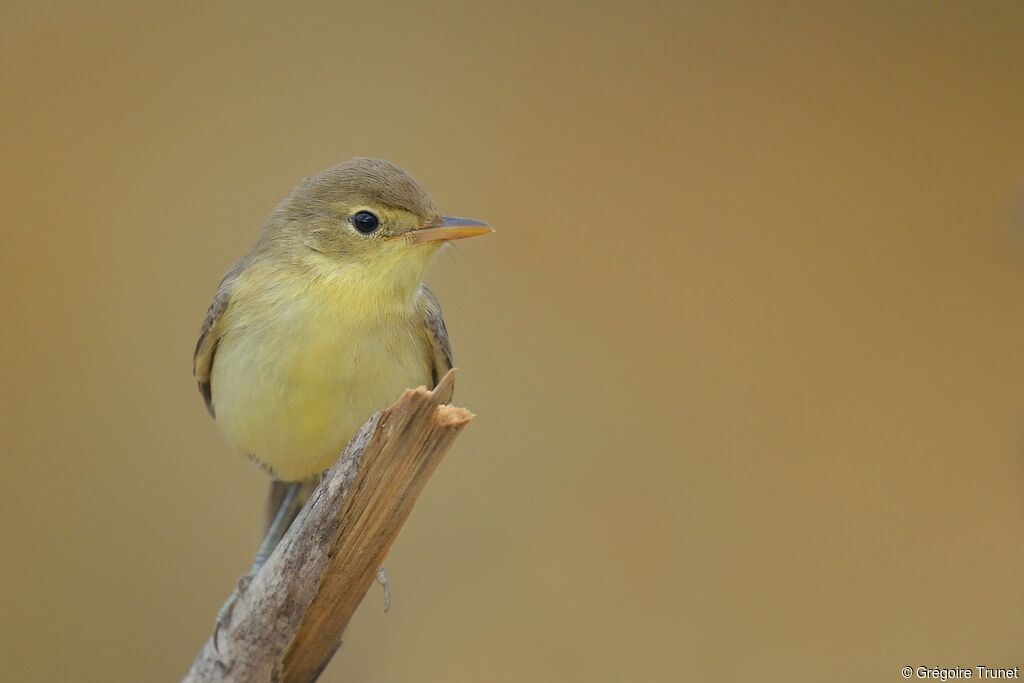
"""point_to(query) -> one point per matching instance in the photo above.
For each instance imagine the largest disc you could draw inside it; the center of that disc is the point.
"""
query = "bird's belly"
(293, 395)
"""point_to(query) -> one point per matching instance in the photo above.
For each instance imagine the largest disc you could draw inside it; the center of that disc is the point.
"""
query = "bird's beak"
(447, 228)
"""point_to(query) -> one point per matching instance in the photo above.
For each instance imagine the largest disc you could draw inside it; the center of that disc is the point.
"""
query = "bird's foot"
(228, 608)
(382, 579)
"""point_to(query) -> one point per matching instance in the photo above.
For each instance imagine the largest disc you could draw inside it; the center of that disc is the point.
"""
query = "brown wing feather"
(437, 333)
(209, 335)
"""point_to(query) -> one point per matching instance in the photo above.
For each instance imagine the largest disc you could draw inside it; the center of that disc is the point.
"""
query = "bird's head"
(368, 214)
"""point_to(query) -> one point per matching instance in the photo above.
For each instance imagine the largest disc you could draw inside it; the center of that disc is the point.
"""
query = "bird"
(324, 321)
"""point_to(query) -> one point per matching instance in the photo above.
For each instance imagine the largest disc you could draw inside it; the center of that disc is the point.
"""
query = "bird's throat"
(384, 287)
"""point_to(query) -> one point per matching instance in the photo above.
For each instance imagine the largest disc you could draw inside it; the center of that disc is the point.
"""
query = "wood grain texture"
(289, 621)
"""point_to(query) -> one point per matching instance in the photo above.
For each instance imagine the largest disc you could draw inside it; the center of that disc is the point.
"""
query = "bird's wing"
(210, 333)
(437, 334)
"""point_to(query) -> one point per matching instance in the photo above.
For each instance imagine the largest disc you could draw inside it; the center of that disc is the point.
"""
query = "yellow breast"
(304, 361)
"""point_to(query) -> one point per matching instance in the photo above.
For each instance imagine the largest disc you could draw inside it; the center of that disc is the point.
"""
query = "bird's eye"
(365, 222)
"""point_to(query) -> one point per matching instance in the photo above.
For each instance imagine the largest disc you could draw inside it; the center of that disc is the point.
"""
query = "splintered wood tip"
(453, 416)
(444, 390)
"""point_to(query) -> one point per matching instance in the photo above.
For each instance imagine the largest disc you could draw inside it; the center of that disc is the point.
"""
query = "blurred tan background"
(746, 351)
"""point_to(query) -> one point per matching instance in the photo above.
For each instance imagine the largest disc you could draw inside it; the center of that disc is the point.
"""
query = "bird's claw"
(382, 579)
(228, 608)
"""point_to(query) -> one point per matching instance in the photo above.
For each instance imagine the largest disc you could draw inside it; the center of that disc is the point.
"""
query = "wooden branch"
(289, 621)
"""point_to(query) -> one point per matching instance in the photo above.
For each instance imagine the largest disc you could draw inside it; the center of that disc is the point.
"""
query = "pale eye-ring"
(365, 222)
